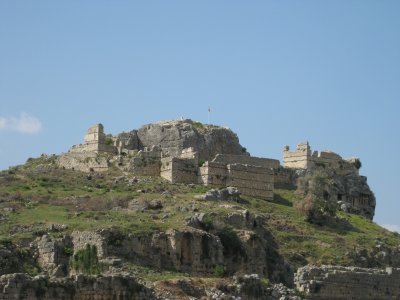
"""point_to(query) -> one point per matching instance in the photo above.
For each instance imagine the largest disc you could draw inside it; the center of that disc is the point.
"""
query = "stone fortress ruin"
(184, 151)
(350, 189)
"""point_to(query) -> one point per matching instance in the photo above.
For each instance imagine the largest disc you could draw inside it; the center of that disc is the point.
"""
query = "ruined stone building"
(180, 151)
(185, 151)
(349, 189)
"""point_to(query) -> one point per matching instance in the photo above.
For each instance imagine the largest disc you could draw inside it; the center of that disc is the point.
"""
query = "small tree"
(313, 196)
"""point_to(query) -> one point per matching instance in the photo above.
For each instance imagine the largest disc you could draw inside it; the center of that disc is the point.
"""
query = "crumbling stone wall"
(83, 161)
(53, 256)
(213, 174)
(246, 160)
(180, 170)
(298, 159)
(304, 158)
(147, 162)
(254, 181)
(335, 282)
(251, 180)
(80, 287)
(95, 141)
(285, 178)
(81, 238)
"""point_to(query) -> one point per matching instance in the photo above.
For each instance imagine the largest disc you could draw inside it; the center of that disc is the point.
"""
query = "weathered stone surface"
(175, 136)
(146, 162)
(53, 255)
(351, 192)
(224, 194)
(22, 286)
(81, 238)
(304, 158)
(335, 282)
(83, 161)
(251, 180)
(348, 189)
(182, 170)
(193, 251)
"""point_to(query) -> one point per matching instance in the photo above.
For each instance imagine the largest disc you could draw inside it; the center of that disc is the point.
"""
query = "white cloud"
(3, 123)
(392, 227)
(25, 123)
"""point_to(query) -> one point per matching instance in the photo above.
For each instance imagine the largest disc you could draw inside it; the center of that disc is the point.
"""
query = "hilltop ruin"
(184, 151)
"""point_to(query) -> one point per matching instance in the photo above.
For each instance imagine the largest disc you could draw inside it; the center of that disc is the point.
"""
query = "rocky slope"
(108, 233)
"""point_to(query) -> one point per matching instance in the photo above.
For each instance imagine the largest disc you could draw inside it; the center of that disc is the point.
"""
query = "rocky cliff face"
(174, 136)
(247, 249)
(349, 191)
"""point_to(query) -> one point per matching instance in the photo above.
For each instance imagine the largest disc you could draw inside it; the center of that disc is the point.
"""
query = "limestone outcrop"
(175, 136)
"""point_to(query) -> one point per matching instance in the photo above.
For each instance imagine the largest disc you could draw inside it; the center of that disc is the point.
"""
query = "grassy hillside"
(37, 194)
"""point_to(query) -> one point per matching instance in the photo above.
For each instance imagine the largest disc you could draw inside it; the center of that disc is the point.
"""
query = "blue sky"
(276, 72)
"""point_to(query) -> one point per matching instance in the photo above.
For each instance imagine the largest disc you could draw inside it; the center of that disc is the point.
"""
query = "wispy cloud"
(392, 227)
(25, 124)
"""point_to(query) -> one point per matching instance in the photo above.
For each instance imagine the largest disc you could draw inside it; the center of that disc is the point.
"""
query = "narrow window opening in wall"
(325, 195)
(339, 197)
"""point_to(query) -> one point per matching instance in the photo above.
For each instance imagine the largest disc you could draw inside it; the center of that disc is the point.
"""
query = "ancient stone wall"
(146, 162)
(52, 255)
(251, 180)
(128, 141)
(83, 161)
(179, 170)
(213, 174)
(298, 159)
(81, 238)
(246, 160)
(326, 158)
(335, 282)
(80, 287)
(95, 141)
(285, 178)
(303, 158)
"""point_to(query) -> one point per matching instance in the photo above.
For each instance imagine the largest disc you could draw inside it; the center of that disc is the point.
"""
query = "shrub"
(219, 271)
(109, 141)
(86, 261)
(201, 162)
(313, 197)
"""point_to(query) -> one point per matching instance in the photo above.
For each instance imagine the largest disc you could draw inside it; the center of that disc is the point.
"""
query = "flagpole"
(209, 114)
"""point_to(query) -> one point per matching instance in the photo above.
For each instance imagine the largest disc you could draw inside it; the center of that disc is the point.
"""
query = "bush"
(86, 261)
(313, 197)
(109, 141)
(219, 271)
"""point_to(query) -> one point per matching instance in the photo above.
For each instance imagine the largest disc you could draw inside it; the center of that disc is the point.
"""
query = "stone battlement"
(304, 158)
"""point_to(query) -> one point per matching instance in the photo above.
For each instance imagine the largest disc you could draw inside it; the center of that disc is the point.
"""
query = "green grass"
(38, 194)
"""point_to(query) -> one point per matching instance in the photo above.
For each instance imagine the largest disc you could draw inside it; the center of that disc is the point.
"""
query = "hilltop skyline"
(275, 73)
